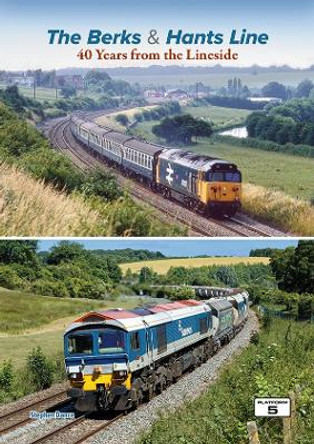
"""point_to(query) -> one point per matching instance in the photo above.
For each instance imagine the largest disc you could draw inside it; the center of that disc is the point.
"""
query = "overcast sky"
(24, 25)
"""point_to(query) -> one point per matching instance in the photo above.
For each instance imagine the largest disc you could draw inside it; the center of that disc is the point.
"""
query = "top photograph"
(156, 119)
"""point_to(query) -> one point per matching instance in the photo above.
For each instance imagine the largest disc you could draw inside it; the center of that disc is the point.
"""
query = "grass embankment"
(276, 207)
(162, 266)
(28, 321)
(31, 208)
(279, 362)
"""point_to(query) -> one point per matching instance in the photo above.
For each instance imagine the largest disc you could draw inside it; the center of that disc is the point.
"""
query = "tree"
(22, 252)
(123, 119)
(65, 251)
(227, 275)
(182, 128)
(293, 268)
(68, 91)
(147, 275)
(304, 88)
(275, 89)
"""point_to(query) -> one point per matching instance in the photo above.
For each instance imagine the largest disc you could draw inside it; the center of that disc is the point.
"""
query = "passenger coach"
(208, 185)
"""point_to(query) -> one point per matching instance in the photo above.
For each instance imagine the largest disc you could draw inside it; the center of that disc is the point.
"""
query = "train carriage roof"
(182, 157)
(219, 304)
(191, 160)
(130, 320)
(145, 147)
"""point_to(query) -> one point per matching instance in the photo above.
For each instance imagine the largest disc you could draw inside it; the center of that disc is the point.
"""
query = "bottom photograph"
(157, 341)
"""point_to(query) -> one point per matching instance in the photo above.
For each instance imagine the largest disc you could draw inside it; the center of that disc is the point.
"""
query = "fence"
(288, 426)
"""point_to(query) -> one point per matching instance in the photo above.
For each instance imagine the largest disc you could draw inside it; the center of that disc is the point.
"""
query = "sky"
(183, 247)
(24, 36)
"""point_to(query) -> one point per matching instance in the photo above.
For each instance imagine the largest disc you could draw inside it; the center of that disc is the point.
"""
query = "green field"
(28, 321)
(219, 116)
(42, 94)
(291, 174)
(217, 80)
(162, 266)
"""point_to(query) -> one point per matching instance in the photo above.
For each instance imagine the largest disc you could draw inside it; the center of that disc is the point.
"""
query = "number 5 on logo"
(272, 410)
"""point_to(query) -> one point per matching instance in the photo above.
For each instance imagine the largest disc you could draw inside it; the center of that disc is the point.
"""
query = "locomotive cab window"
(135, 341)
(80, 344)
(161, 338)
(221, 176)
(111, 341)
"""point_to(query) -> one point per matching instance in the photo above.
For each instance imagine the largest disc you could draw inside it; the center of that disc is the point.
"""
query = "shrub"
(9, 278)
(6, 376)
(40, 369)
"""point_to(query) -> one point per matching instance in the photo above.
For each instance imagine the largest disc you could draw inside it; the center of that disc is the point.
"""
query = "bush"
(40, 369)
(103, 184)
(9, 278)
(6, 376)
(123, 119)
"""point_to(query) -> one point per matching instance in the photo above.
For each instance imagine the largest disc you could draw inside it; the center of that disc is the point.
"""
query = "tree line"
(291, 122)
(67, 270)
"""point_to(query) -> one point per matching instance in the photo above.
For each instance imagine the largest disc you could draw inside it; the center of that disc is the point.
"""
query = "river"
(240, 132)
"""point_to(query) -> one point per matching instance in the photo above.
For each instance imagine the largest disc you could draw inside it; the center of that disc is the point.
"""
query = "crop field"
(163, 265)
(28, 321)
(219, 116)
(292, 175)
(217, 80)
(110, 119)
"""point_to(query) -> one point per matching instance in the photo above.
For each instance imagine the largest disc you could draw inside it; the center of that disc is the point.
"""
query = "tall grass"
(32, 208)
(276, 207)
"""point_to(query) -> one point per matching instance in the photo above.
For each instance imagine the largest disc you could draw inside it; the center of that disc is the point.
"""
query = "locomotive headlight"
(122, 374)
(97, 370)
(119, 371)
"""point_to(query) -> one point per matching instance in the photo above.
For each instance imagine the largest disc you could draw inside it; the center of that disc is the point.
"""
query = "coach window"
(135, 341)
(161, 338)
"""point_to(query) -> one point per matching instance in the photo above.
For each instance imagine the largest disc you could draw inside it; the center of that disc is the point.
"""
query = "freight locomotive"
(115, 359)
(208, 185)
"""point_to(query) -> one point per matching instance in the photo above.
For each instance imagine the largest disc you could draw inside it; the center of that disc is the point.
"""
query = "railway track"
(8, 422)
(198, 225)
(86, 425)
(77, 436)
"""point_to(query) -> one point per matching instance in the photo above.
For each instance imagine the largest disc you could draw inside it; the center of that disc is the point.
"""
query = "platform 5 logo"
(272, 407)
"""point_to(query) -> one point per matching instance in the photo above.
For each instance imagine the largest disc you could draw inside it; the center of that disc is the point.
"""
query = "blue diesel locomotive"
(117, 358)
(206, 184)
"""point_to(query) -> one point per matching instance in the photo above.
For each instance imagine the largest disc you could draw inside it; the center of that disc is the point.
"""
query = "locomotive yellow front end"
(220, 189)
(96, 365)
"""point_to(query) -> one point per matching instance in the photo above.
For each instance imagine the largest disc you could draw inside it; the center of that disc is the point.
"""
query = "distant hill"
(192, 70)
(130, 255)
